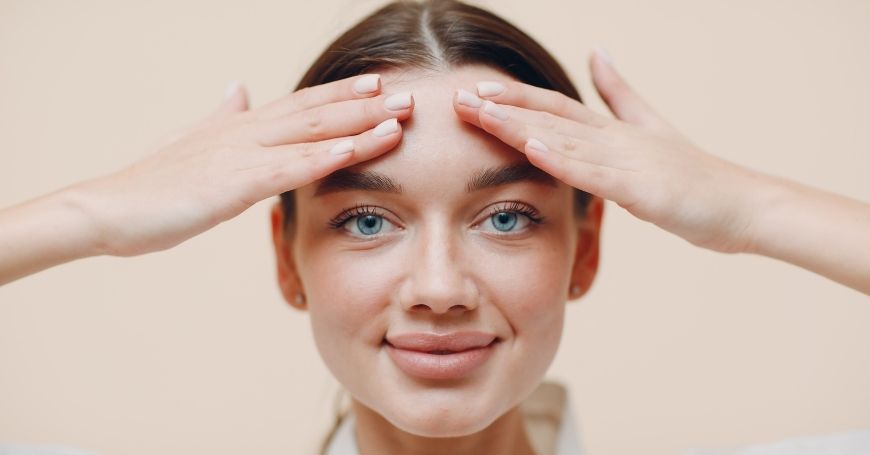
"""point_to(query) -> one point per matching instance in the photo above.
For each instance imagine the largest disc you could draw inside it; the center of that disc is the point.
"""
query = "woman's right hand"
(237, 157)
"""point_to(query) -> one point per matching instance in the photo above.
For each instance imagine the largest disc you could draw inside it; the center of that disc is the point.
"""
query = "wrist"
(79, 205)
(769, 196)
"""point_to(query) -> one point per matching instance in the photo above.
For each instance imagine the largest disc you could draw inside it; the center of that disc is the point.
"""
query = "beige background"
(193, 350)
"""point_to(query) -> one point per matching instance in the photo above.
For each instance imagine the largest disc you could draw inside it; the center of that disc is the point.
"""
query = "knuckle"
(307, 150)
(314, 125)
(569, 144)
(276, 175)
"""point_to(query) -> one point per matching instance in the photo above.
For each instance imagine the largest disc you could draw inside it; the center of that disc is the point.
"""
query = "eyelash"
(512, 207)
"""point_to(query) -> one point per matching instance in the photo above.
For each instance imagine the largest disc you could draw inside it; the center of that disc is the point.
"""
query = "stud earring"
(300, 299)
(575, 289)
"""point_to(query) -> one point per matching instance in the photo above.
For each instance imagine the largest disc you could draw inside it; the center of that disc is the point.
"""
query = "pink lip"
(417, 354)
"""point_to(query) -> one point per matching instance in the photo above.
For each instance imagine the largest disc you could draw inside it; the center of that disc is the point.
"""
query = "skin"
(438, 265)
(213, 171)
(236, 157)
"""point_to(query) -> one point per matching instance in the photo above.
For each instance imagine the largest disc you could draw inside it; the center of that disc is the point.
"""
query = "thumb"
(235, 100)
(622, 100)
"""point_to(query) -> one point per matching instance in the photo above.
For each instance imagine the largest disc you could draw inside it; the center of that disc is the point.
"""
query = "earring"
(575, 289)
(300, 299)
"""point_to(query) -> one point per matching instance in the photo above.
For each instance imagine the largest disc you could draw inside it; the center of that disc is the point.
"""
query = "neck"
(376, 435)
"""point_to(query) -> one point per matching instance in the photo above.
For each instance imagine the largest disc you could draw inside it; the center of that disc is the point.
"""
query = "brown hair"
(437, 35)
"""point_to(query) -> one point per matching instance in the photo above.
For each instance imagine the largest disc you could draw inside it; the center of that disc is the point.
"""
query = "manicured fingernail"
(604, 55)
(398, 101)
(533, 143)
(367, 84)
(232, 89)
(345, 146)
(494, 110)
(386, 127)
(466, 98)
(489, 88)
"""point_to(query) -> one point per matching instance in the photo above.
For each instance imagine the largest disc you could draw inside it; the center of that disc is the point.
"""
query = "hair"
(434, 35)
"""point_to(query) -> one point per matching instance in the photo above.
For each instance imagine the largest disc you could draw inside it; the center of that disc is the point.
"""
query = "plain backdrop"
(193, 350)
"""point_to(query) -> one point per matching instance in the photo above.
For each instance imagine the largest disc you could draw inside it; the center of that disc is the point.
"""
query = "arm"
(205, 175)
(822, 232)
(42, 233)
(645, 165)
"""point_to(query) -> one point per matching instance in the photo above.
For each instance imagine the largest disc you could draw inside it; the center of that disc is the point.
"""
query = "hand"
(237, 157)
(638, 160)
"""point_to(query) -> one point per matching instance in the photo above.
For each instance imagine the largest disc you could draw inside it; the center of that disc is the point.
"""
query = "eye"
(361, 221)
(513, 217)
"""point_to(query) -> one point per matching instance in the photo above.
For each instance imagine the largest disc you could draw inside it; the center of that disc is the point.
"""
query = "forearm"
(822, 232)
(45, 232)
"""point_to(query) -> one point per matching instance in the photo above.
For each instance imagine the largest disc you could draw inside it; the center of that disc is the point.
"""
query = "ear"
(288, 278)
(586, 256)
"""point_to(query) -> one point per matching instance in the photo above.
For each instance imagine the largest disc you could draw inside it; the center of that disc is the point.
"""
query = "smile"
(449, 356)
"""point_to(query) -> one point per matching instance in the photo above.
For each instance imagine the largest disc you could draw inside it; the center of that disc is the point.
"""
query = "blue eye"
(361, 221)
(513, 217)
(366, 221)
(504, 221)
(369, 224)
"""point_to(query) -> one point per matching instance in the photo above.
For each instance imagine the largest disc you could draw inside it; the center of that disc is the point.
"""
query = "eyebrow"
(347, 180)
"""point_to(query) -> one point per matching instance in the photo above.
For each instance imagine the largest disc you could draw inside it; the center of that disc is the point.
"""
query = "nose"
(438, 281)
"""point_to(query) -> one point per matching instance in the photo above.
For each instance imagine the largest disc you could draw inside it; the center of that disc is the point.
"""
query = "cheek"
(347, 295)
(529, 284)
(529, 289)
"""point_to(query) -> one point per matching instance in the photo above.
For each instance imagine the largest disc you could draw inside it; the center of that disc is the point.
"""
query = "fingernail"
(232, 89)
(494, 110)
(367, 84)
(489, 88)
(345, 146)
(466, 98)
(604, 55)
(533, 143)
(386, 127)
(398, 101)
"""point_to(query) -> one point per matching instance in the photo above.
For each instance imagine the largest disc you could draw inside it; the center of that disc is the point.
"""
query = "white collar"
(545, 412)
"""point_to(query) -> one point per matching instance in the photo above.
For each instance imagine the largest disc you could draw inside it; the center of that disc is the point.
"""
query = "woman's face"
(470, 242)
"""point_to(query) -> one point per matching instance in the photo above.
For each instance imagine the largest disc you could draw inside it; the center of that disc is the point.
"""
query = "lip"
(417, 354)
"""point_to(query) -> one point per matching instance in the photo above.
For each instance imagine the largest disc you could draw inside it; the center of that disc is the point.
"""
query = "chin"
(428, 418)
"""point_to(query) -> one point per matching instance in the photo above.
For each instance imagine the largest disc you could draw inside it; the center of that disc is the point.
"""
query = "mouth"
(446, 356)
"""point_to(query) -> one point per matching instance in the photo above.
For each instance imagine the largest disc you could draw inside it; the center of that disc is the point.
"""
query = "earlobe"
(288, 279)
(587, 250)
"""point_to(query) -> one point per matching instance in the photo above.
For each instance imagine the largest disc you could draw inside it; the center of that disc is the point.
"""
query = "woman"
(438, 264)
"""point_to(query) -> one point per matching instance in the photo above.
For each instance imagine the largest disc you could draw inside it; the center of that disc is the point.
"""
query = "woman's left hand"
(637, 160)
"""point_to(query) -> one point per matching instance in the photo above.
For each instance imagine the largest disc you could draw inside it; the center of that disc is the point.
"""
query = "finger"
(602, 181)
(343, 118)
(580, 164)
(356, 87)
(539, 99)
(620, 98)
(514, 132)
(544, 120)
(235, 99)
(292, 166)
(467, 105)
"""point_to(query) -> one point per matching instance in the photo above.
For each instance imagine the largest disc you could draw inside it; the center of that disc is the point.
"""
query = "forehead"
(438, 150)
